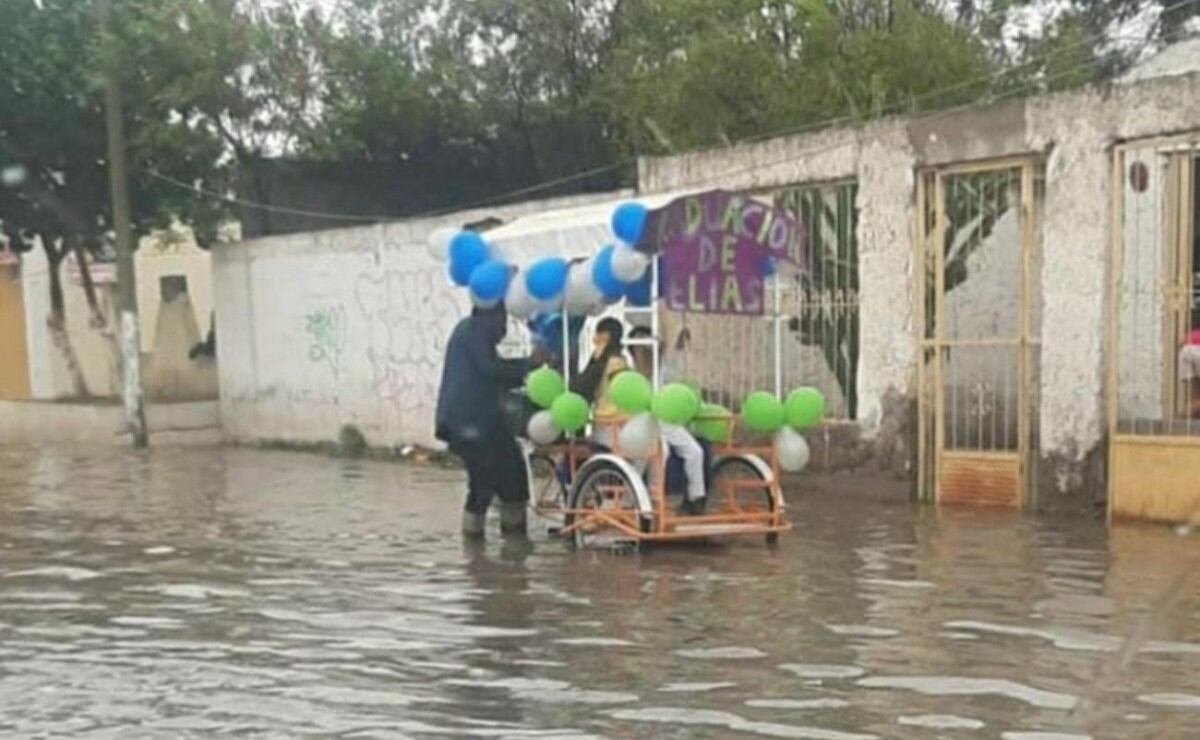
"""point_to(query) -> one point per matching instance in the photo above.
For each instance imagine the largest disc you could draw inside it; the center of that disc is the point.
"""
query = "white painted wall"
(35, 282)
(94, 346)
(1141, 292)
(1177, 59)
(879, 157)
(162, 255)
(349, 326)
(1074, 130)
(174, 253)
(388, 308)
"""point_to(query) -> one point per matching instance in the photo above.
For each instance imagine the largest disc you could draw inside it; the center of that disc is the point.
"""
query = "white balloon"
(554, 305)
(792, 450)
(438, 243)
(519, 303)
(628, 264)
(639, 438)
(582, 295)
(542, 430)
(499, 252)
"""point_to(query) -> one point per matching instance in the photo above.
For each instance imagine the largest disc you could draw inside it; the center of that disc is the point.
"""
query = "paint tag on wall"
(718, 248)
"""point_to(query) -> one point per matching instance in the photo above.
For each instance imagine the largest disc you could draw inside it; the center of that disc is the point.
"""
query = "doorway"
(977, 316)
(1154, 362)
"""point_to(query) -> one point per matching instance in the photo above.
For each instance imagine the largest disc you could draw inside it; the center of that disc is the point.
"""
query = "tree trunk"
(98, 320)
(57, 320)
(53, 260)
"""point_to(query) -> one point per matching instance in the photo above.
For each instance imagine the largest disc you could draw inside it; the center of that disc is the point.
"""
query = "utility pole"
(129, 329)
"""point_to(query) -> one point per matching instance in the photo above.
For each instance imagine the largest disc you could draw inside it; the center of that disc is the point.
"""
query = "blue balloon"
(602, 274)
(628, 221)
(489, 281)
(539, 322)
(546, 331)
(546, 278)
(638, 294)
(548, 327)
(768, 267)
(467, 251)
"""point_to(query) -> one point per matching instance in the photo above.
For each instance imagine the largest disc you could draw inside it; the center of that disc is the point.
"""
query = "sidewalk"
(192, 422)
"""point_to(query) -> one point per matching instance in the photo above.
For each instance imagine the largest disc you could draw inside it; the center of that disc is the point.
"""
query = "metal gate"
(811, 327)
(977, 244)
(1154, 360)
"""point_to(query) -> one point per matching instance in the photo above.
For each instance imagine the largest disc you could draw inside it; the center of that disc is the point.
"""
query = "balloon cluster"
(552, 284)
(802, 409)
(680, 404)
(631, 392)
(562, 411)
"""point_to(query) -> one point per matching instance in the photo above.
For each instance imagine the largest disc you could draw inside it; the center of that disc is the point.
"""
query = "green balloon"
(805, 407)
(675, 404)
(763, 412)
(631, 392)
(569, 412)
(712, 423)
(544, 385)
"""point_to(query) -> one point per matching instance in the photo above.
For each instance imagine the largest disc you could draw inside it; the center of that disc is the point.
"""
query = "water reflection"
(200, 592)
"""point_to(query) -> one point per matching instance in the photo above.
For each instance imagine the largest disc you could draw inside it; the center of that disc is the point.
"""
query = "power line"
(357, 218)
(264, 206)
(546, 185)
(960, 85)
(830, 147)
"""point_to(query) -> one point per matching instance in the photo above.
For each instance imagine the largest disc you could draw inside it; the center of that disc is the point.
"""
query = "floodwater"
(208, 592)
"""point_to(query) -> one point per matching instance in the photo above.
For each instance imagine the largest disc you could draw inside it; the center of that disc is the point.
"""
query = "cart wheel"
(546, 488)
(604, 488)
(738, 468)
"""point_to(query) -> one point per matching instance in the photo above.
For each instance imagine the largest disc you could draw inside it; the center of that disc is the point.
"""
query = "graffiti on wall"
(409, 315)
(326, 328)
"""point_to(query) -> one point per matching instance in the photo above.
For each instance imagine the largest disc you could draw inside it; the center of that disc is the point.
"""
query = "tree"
(52, 143)
(492, 95)
(690, 73)
(1052, 47)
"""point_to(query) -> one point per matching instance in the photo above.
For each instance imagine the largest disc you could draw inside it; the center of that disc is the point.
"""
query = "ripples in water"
(196, 593)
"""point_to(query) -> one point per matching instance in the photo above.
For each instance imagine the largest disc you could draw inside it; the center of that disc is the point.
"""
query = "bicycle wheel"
(730, 478)
(603, 488)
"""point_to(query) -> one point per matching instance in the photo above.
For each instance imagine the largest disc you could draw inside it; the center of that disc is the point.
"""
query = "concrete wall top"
(830, 154)
(1177, 59)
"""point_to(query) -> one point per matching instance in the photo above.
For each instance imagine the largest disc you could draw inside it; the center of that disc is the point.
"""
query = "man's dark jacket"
(473, 378)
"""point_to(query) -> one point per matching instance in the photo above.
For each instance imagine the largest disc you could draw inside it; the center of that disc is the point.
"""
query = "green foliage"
(52, 123)
(526, 90)
(700, 72)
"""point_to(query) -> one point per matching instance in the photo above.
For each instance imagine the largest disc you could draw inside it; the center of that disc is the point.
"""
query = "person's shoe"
(513, 521)
(473, 524)
(693, 507)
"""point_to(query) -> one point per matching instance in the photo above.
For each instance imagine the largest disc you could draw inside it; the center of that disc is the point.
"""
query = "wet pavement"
(206, 592)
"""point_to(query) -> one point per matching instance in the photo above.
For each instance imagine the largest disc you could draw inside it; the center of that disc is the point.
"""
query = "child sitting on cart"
(607, 361)
(688, 452)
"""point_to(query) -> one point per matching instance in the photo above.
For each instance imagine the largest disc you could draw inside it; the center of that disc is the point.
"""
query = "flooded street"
(206, 592)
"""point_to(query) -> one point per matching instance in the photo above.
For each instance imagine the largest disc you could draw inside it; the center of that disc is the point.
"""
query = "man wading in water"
(471, 423)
